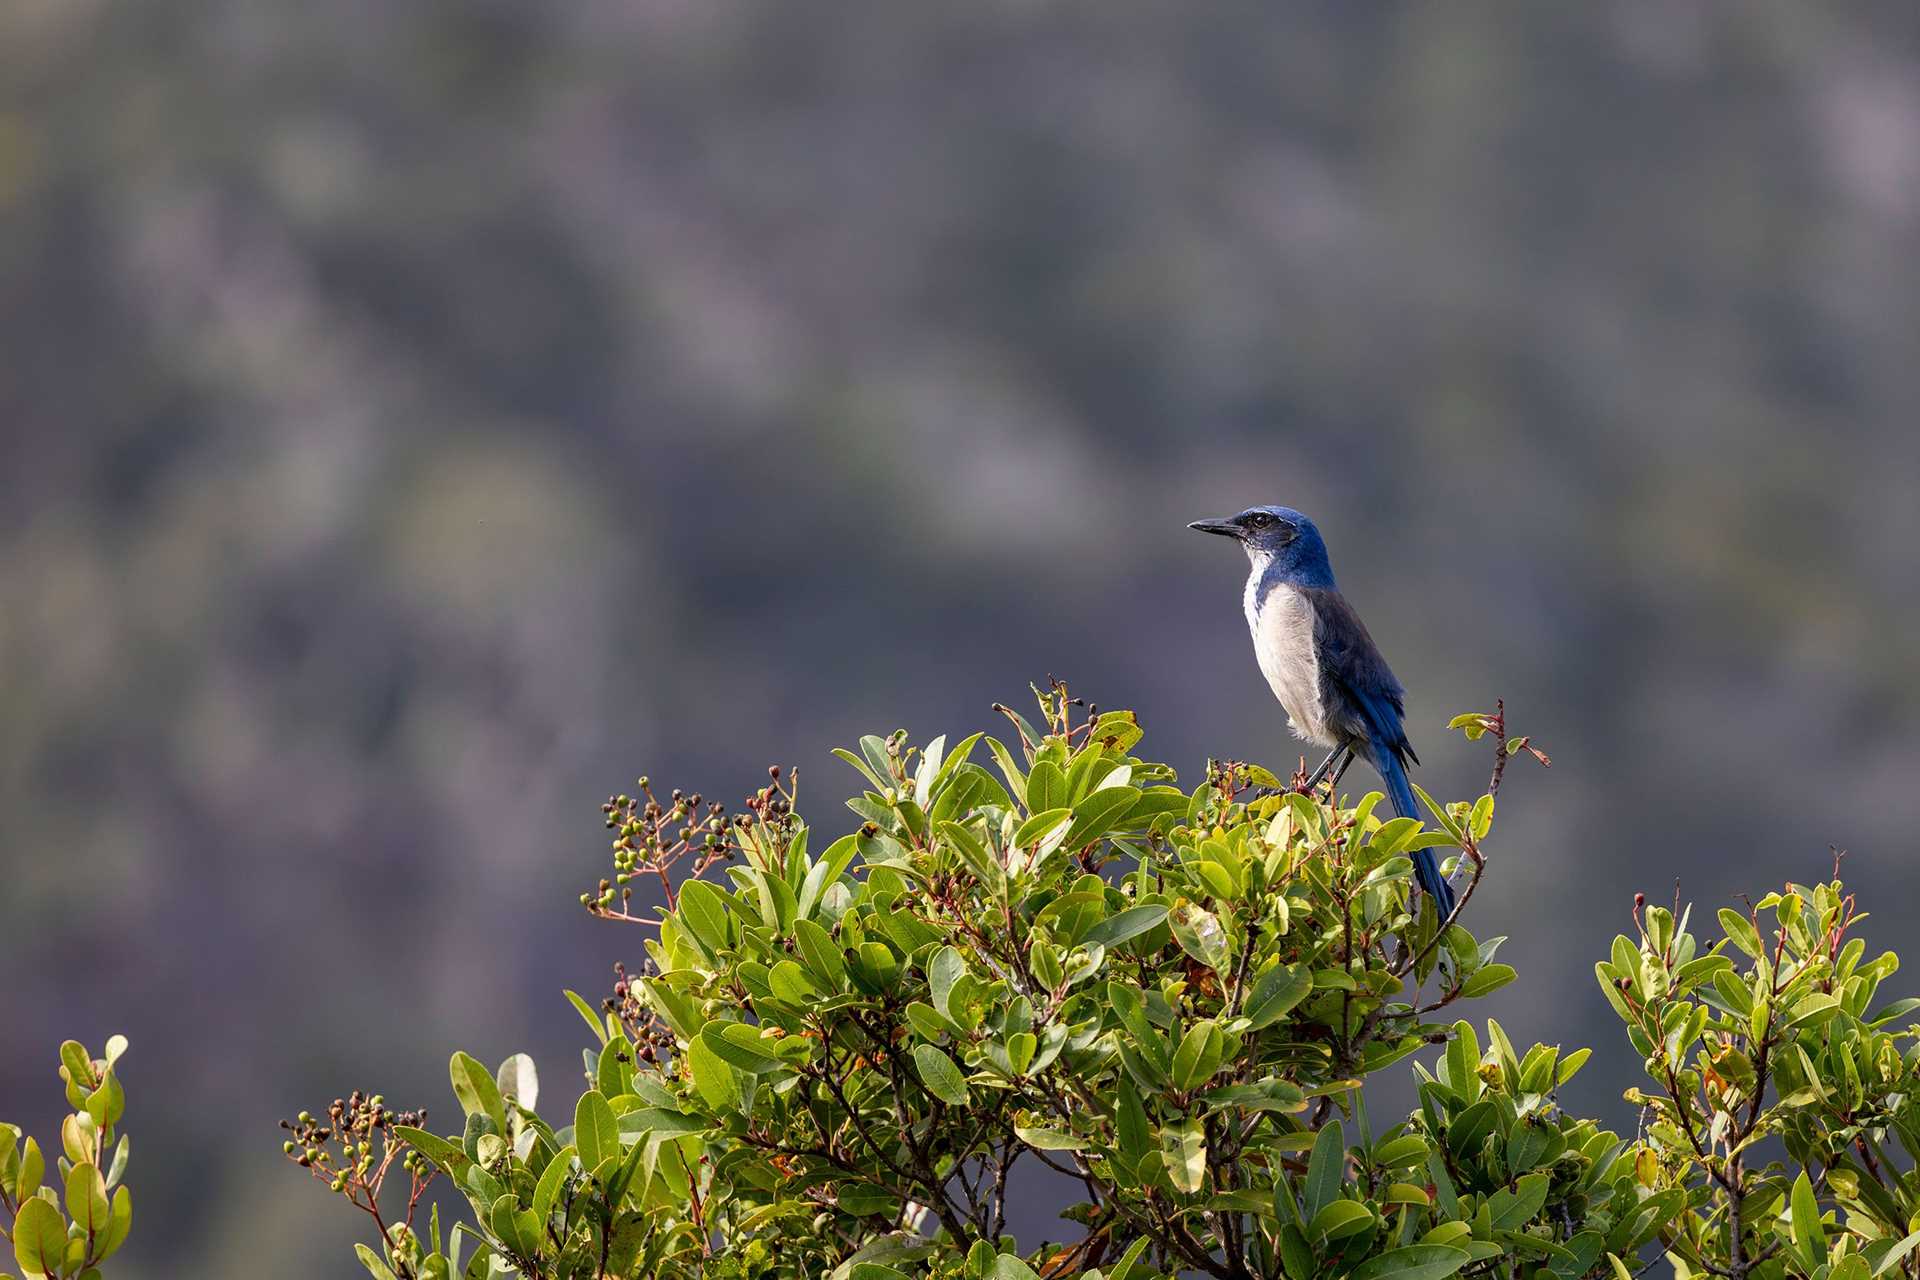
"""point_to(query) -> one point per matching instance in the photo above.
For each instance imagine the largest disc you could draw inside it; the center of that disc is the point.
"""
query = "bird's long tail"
(1426, 868)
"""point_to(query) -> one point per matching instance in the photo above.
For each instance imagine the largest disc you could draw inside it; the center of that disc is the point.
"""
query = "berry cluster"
(652, 1039)
(353, 1148)
(652, 839)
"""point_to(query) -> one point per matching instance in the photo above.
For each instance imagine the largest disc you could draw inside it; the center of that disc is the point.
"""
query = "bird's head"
(1276, 535)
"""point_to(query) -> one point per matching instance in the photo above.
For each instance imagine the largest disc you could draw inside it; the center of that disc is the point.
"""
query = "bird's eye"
(1259, 519)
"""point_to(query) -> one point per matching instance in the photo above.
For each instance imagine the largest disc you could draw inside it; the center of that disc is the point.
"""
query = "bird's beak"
(1225, 527)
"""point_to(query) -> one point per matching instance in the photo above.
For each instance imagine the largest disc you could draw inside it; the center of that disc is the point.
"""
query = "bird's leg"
(1318, 775)
(1333, 787)
(1320, 772)
(1340, 756)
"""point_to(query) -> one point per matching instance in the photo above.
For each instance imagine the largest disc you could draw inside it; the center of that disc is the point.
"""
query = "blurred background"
(418, 420)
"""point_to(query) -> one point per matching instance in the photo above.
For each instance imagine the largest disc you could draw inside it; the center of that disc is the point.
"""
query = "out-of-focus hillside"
(416, 420)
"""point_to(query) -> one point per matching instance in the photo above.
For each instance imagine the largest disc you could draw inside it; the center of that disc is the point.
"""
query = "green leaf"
(1413, 1262)
(659, 1122)
(945, 969)
(447, 1155)
(1123, 1269)
(942, 1078)
(596, 1133)
(1021, 1046)
(1810, 1010)
(823, 955)
(116, 1048)
(546, 1193)
(1491, 978)
(1129, 1004)
(1046, 789)
(613, 1075)
(39, 1237)
(703, 910)
(87, 1199)
(373, 1263)
(1741, 933)
(713, 1078)
(33, 1166)
(107, 1102)
(748, 1048)
(639, 1154)
(1048, 1139)
(1463, 1062)
(1015, 777)
(1296, 1255)
(984, 863)
(1393, 836)
(1513, 1209)
(1008, 1267)
(518, 1079)
(1570, 1064)
(77, 1133)
(1199, 934)
(473, 1085)
(879, 782)
(1261, 1095)
(1471, 1126)
(1044, 832)
(586, 1011)
(1276, 992)
(874, 1271)
(1183, 1145)
(1130, 1127)
(1809, 1237)
(78, 1064)
(874, 748)
(874, 967)
(1124, 925)
(119, 1223)
(1324, 1169)
(828, 870)
(789, 982)
(1100, 812)
(1339, 1220)
(1406, 1150)
(118, 1165)
(1042, 823)
(1480, 820)
(505, 1226)
(1198, 1056)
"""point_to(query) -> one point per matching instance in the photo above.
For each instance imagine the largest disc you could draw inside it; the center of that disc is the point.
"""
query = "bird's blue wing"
(1367, 703)
(1361, 694)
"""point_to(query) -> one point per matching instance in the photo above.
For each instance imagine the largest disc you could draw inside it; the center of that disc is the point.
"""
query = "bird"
(1326, 671)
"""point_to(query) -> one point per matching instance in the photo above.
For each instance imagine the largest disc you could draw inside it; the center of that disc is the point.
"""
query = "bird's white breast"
(1282, 625)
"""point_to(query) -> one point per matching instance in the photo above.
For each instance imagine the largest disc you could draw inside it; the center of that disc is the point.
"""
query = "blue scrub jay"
(1321, 663)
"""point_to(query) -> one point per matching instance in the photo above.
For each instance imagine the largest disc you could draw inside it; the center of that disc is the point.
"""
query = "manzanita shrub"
(68, 1229)
(1045, 952)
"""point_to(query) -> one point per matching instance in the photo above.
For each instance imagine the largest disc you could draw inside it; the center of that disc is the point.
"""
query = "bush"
(71, 1228)
(831, 1059)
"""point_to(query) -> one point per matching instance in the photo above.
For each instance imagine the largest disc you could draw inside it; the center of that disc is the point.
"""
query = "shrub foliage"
(1044, 952)
(69, 1228)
